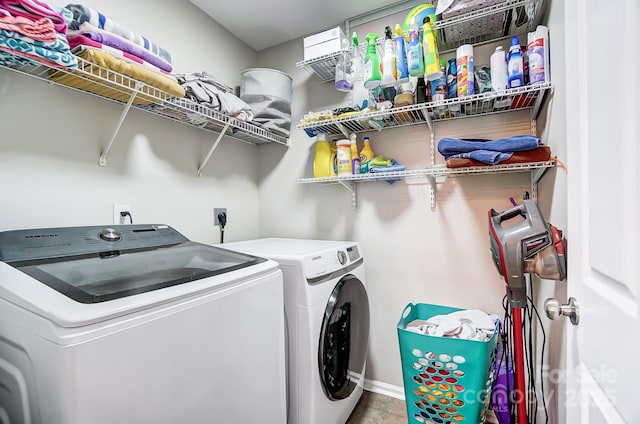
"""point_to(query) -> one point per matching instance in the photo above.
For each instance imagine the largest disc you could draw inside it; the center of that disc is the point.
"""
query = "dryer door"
(344, 338)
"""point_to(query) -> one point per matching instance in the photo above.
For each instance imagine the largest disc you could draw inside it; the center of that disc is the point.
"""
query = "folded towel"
(80, 40)
(83, 14)
(121, 43)
(41, 29)
(489, 152)
(34, 9)
(518, 143)
(540, 154)
(56, 52)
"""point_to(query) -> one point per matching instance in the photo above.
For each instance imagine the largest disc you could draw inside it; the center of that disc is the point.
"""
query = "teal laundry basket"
(446, 380)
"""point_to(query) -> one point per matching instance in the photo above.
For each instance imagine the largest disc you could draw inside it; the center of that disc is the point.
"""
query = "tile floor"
(378, 409)
(374, 408)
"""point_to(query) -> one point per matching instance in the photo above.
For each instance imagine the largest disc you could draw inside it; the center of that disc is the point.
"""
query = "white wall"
(412, 254)
(53, 136)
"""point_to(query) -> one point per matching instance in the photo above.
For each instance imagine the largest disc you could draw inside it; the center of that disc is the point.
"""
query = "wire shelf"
(528, 97)
(435, 171)
(503, 19)
(105, 83)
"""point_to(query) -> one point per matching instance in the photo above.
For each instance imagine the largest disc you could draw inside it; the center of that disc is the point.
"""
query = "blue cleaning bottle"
(415, 60)
(515, 64)
(402, 70)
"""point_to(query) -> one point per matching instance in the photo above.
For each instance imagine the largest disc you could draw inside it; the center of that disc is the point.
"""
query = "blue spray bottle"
(415, 60)
(402, 70)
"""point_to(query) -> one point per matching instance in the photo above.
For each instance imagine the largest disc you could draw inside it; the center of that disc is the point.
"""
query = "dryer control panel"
(327, 262)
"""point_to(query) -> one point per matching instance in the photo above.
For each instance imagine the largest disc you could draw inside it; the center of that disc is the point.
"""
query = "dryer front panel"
(344, 337)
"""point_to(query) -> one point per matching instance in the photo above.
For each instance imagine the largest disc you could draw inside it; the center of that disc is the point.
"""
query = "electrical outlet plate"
(217, 211)
(117, 218)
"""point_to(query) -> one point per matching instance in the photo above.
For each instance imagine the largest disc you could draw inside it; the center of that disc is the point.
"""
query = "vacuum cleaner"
(530, 246)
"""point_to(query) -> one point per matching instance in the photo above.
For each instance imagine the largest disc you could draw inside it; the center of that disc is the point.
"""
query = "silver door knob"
(555, 310)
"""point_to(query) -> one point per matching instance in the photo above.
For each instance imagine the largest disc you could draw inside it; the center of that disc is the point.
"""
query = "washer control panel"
(42, 243)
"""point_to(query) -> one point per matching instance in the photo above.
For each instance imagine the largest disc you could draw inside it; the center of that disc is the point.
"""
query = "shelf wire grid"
(105, 83)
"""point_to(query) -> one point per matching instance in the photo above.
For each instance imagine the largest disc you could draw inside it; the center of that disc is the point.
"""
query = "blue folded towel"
(487, 151)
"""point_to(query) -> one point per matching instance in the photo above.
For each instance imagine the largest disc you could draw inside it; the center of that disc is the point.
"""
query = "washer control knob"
(110, 234)
(342, 257)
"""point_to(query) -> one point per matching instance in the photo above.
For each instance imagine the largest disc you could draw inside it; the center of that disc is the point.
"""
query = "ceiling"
(266, 23)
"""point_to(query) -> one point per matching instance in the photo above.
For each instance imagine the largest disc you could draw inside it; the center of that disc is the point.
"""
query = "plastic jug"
(324, 157)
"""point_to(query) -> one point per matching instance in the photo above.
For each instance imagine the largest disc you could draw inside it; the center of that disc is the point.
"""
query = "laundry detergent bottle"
(324, 160)
(371, 68)
(366, 154)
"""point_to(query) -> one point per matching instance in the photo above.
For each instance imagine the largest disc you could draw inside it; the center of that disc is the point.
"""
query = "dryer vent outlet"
(216, 215)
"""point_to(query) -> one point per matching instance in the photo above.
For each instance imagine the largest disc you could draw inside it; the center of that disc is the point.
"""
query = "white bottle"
(389, 61)
(499, 77)
(538, 52)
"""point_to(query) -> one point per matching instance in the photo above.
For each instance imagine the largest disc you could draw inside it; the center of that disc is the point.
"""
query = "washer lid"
(92, 265)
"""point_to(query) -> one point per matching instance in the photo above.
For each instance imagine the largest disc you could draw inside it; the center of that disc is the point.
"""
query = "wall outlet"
(216, 212)
(118, 210)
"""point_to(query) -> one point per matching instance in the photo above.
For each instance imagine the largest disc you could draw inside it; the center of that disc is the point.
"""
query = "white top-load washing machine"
(135, 324)
(327, 313)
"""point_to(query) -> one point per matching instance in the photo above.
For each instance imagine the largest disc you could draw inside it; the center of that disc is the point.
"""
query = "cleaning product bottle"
(356, 59)
(515, 66)
(371, 73)
(355, 158)
(415, 61)
(366, 154)
(389, 61)
(538, 52)
(344, 157)
(324, 157)
(432, 71)
(402, 71)
(464, 66)
(343, 69)
(499, 77)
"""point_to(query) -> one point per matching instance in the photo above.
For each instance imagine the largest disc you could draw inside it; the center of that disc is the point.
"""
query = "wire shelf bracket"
(102, 161)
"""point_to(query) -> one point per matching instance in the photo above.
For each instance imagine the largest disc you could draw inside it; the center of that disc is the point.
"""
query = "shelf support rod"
(351, 186)
(215, 144)
(103, 156)
(432, 192)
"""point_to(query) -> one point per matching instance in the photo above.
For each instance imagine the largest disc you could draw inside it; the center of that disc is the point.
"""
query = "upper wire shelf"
(108, 84)
(501, 19)
(527, 97)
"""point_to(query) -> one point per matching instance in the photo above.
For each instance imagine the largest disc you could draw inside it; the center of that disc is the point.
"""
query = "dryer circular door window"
(344, 337)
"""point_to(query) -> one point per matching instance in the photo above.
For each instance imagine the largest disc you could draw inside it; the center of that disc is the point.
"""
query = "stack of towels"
(460, 153)
(32, 33)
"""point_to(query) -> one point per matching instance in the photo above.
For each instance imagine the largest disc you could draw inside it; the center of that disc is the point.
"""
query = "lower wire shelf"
(537, 169)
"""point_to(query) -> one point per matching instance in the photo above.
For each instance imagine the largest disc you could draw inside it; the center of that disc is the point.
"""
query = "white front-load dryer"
(327, 314)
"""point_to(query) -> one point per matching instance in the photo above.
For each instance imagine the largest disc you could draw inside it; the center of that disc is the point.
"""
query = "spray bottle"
(389, 61)
(356, 59)
(415, 60)
(371, 75)
(431, 58)
(343, 71)
(402, 71)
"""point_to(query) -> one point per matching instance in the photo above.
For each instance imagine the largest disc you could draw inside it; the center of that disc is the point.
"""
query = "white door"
(603, 186)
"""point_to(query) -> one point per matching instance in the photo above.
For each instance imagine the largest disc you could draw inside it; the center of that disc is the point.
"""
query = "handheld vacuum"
(530, 246)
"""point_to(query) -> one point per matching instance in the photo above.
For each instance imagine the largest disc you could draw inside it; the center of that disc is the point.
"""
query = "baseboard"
(384, 389)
